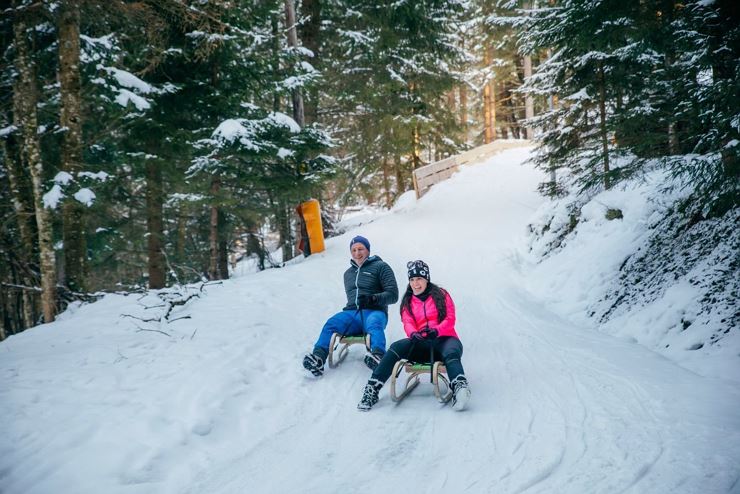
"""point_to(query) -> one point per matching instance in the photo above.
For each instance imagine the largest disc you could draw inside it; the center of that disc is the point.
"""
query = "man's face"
(359, 253)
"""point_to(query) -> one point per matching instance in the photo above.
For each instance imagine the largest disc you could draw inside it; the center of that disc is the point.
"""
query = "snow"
(106, 42)
(101, 175)
(85, 196)
(6, 131)
(129, 80)
(218, 403)
(284, 153)
(231, 130)
(51, 199)
(283, 120)
(574, 281)
(63, 178)
(580, 95)
(210, 37)
(125, 97)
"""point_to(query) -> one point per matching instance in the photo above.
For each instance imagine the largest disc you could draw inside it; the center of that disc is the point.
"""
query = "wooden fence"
(426, 176)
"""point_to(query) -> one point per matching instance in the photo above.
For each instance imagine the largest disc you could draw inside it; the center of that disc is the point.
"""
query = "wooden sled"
(413, 370)
(339, 345)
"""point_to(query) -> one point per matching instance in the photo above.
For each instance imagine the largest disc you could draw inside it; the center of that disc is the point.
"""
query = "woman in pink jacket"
(428, 316)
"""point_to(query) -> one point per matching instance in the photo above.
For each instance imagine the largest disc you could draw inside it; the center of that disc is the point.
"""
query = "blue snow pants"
(350, 323)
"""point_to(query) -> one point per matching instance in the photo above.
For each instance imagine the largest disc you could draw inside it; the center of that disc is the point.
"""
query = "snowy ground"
(220, 404)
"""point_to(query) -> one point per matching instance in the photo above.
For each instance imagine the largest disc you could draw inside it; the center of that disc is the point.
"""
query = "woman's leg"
(398, 350)
(451, 350)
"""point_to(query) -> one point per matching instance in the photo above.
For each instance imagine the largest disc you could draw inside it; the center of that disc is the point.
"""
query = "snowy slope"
(220, 404)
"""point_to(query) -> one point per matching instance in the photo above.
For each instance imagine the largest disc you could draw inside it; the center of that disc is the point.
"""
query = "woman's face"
(418, 285)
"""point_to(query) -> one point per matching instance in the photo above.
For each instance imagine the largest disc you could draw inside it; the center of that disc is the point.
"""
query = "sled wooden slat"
(413, 371)
(340, 345)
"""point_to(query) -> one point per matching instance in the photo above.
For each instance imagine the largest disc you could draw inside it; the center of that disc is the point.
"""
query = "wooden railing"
(434, 173)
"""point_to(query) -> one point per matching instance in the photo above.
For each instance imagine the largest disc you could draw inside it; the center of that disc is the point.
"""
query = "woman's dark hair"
(438, 295)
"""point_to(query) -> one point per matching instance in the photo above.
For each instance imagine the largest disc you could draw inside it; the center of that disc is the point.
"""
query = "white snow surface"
(220, 403)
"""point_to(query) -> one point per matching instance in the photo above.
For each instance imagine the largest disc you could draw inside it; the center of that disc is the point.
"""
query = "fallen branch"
(140, 319)
(178, 318)
(153, 331)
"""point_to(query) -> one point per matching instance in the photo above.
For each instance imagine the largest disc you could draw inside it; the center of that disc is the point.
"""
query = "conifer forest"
(148, 143)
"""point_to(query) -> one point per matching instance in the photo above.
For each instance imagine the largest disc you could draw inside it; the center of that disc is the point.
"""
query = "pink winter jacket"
(425, 315)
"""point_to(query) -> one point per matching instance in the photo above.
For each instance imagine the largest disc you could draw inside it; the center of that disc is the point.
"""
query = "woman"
(428, 316)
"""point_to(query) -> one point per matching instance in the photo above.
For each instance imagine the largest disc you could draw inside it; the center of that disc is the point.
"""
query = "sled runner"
(339, 345)
(413, 370)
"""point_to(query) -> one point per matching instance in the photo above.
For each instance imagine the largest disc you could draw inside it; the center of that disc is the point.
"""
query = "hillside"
(218, 402)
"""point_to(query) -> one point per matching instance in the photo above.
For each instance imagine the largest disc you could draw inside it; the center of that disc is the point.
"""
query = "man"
(370, 286)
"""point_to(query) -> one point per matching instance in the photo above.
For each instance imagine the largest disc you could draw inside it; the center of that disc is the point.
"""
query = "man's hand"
(365, 301)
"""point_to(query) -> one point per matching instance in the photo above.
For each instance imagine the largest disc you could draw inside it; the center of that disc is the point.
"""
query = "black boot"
(314, 364)
(370, 395)
(372, 359)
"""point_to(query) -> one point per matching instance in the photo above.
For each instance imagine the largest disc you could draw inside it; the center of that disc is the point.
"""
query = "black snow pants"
(448, 349)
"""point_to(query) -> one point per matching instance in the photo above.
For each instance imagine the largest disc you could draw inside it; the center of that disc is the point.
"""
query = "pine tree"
(597, 63)
(390, 67)
(25, 94)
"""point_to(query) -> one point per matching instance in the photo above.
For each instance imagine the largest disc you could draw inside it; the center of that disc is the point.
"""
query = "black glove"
(416, 335)
(365, 301)
(429, 334)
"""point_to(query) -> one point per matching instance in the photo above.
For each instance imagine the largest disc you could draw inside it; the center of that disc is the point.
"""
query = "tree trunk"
(673, 143)
(154, 222)
(400, 185)
(416, 146)
(213, 269)
(223, 248)
(387, 182)
(21, 207)
(528, 100)
(298, 112)
(311, 39)
(182, 222)
(283, 222)
(26, 98)
(275, 60)
(602, 123)
(488, 135)
(492, 112)
(551, 102)
(75, 250)
(464, 109)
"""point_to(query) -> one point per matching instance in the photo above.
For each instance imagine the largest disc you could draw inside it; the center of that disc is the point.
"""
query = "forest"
(151, 143)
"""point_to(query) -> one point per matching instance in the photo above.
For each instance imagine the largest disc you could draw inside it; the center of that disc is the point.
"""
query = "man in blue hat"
(371, 287)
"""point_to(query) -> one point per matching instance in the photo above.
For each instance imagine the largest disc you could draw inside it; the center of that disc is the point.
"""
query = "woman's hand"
(425, 334)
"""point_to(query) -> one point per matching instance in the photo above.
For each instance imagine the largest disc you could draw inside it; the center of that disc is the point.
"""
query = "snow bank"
(621, 274)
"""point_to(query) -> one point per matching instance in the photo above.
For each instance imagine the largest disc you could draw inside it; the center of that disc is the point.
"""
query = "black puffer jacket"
(374, 277)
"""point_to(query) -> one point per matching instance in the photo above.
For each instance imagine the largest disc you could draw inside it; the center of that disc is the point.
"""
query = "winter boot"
(370, 395)
(460, 393)
(314, 364)
(372, 359)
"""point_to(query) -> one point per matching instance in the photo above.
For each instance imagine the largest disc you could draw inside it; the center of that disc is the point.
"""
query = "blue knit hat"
(359, 239)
